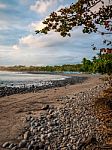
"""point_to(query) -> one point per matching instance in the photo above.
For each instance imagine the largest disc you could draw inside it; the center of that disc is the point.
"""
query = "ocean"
(17, 79)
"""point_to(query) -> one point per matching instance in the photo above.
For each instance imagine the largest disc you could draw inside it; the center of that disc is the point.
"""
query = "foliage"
(66, 67)
(102, 64)
(81, 14)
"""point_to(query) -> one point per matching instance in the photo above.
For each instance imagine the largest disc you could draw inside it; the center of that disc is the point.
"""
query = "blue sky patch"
(18, 42)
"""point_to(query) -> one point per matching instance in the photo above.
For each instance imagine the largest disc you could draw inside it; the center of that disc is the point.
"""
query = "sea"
(19, 79)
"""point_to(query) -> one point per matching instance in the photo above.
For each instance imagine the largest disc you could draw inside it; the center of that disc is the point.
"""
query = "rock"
(22, 144)
(41, 146)
(33, 142)
(14, 148)
(39, 128)
(36, 124)
(30, 147)
(51, 111)
(65, 128)
(36, 147)
(6, 144)
(34, 131)
(28, 118)
(42, 137)
(49, 135)
(31, 129)
(45, 107)
(26, 135)
(42, 129)
(11, 145)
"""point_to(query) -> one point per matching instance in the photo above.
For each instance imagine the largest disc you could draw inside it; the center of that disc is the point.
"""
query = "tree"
(81, 14)
(86, 65)
(94, 59)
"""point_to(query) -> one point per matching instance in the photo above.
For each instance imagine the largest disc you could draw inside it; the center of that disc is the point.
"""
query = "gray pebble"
(30, 147)
(22, 144)
(11, 145)
(14, 148)
(26, 135)
(64, 128)
(6, 144)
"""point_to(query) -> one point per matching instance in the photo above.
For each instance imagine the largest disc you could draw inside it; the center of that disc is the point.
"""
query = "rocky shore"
(6, 90)
(74, 126)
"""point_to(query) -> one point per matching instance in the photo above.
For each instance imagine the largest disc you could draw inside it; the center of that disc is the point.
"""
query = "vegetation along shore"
(99, 64)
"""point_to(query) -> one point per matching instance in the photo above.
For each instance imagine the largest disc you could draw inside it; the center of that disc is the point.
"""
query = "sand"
(15, 108)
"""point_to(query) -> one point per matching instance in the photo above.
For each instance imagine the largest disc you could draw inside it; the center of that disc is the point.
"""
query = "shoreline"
(42, 85)
(15, 108)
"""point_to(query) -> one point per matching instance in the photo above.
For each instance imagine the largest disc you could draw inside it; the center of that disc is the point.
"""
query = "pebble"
(11, 145)
(9, 90)
(65, 128)
(49, 135)
(14, 148)
(22, 144)
(45, 107)
(42, 137)
(26, 135)
(6, 144)
(30, 147)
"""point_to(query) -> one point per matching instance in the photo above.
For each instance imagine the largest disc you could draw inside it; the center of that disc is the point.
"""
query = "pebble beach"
(69, 124)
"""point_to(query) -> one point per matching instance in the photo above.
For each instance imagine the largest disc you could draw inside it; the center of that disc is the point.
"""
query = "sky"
(19, 45)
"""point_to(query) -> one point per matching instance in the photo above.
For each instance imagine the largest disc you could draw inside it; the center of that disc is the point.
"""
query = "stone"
(31, 129)
(65, 128)
(36, 147)
(49, 135)
(32, 142)
(30, 147)
(42, 137)
(41, 146)
(6, 144)
(34, 131)
(45, 107)
(11, 145)
(14, 148)
(42, 129)
(26, 135)
(28, 118)
(22, 144)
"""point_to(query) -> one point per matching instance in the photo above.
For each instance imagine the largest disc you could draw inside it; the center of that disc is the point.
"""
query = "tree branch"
(104, 33)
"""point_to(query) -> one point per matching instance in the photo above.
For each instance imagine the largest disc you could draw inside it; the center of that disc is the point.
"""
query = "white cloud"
(99, 5)
(52, 39)
(43, 49)
(29, 40)
(43, 41)
(48, 49)
(15, 47)
(37, 25)
(42, 6)
(2, 6)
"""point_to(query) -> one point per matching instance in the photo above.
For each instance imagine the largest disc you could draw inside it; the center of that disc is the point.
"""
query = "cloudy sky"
(19, 45)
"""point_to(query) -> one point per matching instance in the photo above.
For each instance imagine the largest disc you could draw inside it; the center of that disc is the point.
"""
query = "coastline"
(68, 79)
(15, 108)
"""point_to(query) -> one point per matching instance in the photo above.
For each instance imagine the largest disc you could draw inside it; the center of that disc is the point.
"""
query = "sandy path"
(14, 108)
